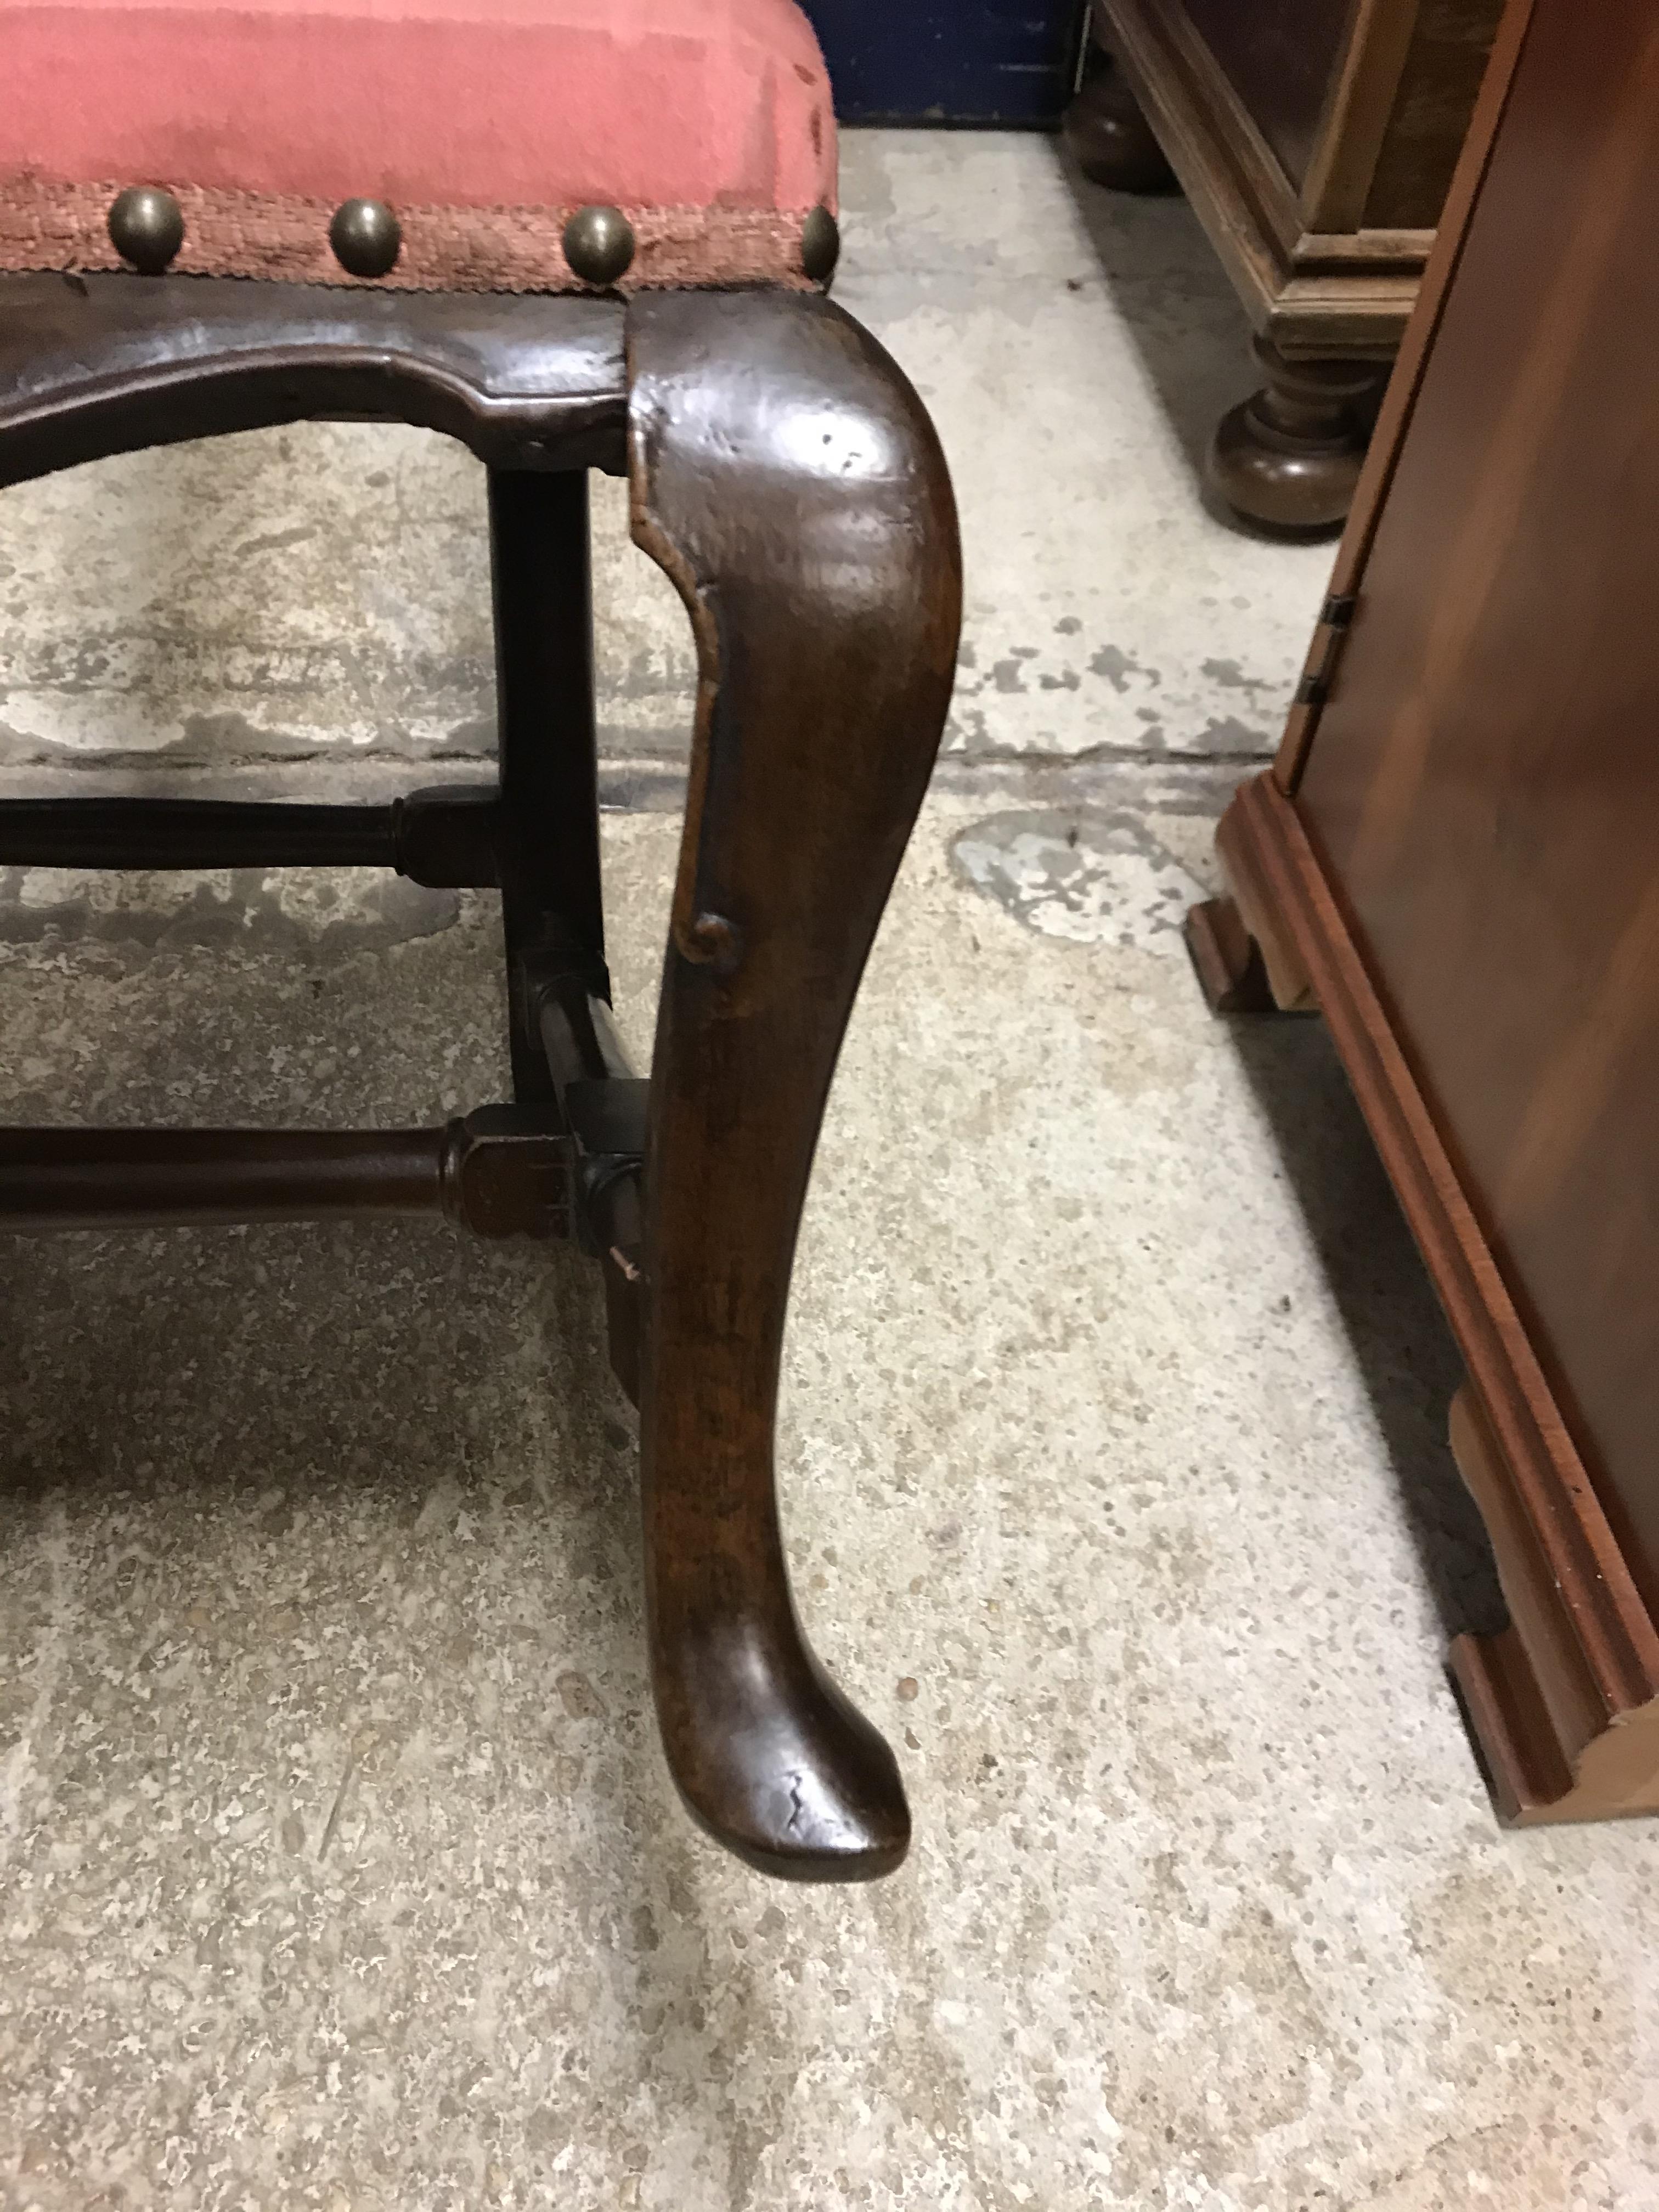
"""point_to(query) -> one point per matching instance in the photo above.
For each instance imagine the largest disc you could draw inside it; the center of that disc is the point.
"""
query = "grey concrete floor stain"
(338, 1868)
(1092, 875)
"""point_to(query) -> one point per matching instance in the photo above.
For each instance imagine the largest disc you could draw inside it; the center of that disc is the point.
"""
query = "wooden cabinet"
(1456, 858)
(1315, 140)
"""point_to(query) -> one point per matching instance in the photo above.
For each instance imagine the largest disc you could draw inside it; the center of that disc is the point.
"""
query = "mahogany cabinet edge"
(1566, 1702)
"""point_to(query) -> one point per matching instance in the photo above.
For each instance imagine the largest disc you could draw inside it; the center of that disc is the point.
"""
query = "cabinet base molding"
(1552, 1750)
(1564, 1703)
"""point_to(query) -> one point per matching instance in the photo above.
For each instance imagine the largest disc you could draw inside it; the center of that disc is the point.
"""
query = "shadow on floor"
(394, 1438)
(1406, 1357)
(1185, 320)
(1175, 302)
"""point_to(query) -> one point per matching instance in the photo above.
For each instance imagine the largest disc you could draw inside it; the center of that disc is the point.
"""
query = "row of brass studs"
(147, 228)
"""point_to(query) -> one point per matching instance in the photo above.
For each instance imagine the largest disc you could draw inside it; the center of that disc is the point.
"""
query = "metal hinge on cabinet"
(1335, 618)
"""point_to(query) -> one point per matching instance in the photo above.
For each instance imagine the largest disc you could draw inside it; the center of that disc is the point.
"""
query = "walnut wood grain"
(785, 477)
(103, 364)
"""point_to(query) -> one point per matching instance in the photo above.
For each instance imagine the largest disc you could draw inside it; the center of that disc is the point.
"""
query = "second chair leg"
(550, 831)
(785, 476)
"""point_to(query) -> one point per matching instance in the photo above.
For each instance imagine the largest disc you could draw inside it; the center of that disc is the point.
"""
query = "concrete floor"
(337, 1863)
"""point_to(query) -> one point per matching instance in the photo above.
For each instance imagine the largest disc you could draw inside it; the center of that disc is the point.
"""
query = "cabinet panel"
(1281, 59)
(1437, 87)
(1485, 781)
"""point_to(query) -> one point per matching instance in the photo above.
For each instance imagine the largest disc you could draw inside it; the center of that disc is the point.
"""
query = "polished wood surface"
(1454, 860)
(499, 1171)
(107, 363)
(1484, 782)
(1290, 456)
(787, 479)
(99, 1178)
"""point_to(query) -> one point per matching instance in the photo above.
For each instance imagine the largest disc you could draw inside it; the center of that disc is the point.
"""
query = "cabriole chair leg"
(785, 476)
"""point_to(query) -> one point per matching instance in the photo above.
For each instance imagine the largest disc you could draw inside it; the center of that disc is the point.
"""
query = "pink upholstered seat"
(482, 123)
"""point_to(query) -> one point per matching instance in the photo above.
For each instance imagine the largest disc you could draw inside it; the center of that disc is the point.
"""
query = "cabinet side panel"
(1484, 783)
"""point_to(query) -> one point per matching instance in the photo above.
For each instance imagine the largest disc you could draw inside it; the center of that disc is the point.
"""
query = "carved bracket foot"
(1557, 1742)
(1227, 959)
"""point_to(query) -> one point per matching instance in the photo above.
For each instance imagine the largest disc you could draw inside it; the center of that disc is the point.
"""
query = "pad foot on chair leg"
(769, 1756)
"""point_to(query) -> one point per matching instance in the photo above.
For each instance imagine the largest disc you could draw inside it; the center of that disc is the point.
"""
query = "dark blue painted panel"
(949, 61)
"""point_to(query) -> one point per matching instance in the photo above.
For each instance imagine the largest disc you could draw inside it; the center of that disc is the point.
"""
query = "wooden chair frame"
(785, 476)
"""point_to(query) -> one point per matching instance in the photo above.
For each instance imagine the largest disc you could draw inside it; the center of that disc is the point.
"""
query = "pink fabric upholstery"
(484, 123)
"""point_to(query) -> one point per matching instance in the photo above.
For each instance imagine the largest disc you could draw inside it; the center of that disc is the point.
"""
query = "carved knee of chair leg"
(785, 476)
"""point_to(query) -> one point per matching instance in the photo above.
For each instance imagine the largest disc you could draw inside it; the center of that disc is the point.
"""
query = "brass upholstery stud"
(366, 237)
(146, 228)
(598, 243)
(820, 245)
